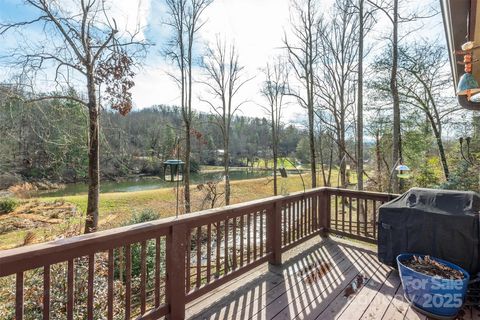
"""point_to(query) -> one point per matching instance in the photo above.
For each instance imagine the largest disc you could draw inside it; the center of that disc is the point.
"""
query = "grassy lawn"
(117, 208)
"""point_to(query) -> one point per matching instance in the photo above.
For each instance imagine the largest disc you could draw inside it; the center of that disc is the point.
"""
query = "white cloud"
(131, 15)
(256, 27)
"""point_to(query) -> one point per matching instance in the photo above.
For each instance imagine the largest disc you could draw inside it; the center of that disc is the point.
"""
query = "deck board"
(382, 299)
(333, 305)
(283, 292)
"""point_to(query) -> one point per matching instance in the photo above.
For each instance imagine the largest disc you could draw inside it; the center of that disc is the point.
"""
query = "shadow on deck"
(322, 279)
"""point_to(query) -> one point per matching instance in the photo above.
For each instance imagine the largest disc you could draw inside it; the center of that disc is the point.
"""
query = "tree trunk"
(378, 155)
(330, 164)
(322, 162)
(186, 173)
(441, 149)
(275, 190)
(226, 161)
(311, 136)
(360, 100)
(443, 157)
(396, 148)
(275, 156)
(342, 155)
(91, 222)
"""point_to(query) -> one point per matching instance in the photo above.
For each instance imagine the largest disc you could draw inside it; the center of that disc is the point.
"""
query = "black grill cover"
(441, 223)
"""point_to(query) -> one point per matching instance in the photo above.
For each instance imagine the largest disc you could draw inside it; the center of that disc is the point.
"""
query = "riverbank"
(116, 208)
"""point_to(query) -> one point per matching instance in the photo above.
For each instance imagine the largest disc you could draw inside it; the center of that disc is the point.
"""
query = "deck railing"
(153, 269)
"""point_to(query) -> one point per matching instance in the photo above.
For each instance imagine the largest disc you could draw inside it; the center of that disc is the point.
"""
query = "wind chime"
(468, 85)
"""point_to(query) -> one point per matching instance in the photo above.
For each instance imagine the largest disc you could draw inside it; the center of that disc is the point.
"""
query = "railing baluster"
(157, 272)
(226, 246)
(110, 285)
(374, 219)
(297, 213)
(359, 212)
(218, 242)
(261, 232)
(46, 292)
(294, 221)
(290, 223)
(128, 280)
(336, 212)
(248, 237)
(307, 216)
(70, 281)
(241, 240)
(209, 251)
(254, 236)
(198, 280)
(234, 243)
(188, 263)
(310, 215)
(314, 203)
(365, 217)
(307, 210)
(350, 214)
(143, 277)
(301, 212)
(90, 294)
(284, 222)
(343, 213)
(19, 296)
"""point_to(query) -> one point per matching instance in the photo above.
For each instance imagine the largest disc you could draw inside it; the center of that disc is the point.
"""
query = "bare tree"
(392, 12)
(365, 21)
(422, 81)
(82, 41)
(211, 194)
(274, 90)
(303, 55)
(225, 78)
(185, 21)
(336, 81)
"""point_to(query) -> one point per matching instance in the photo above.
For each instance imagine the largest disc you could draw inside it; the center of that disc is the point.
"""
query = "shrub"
(194, 165)
(427, 176)
(7, 205)
(138, 217)
(464, 177)
(143, 216)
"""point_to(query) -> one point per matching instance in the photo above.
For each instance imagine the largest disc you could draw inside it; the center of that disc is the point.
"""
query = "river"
(150, 183)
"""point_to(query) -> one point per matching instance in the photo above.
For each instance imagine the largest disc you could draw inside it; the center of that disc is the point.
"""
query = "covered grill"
(440, 223)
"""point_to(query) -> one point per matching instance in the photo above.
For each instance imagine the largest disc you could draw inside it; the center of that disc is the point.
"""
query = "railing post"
(176, 248)
(324, 212)
(274, 233)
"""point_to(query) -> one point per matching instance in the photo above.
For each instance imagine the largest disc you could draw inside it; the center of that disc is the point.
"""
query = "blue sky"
(256, 26)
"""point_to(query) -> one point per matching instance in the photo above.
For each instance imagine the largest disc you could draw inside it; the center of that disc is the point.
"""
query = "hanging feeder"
(403, 171)
(173, 170)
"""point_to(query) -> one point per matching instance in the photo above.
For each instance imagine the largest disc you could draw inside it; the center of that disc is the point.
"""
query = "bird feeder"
(173, 170)
(403, 171)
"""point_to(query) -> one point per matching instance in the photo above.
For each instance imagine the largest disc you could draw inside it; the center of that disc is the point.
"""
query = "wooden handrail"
(268, 227)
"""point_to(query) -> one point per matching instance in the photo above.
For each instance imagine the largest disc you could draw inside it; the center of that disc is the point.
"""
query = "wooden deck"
(322, 279)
